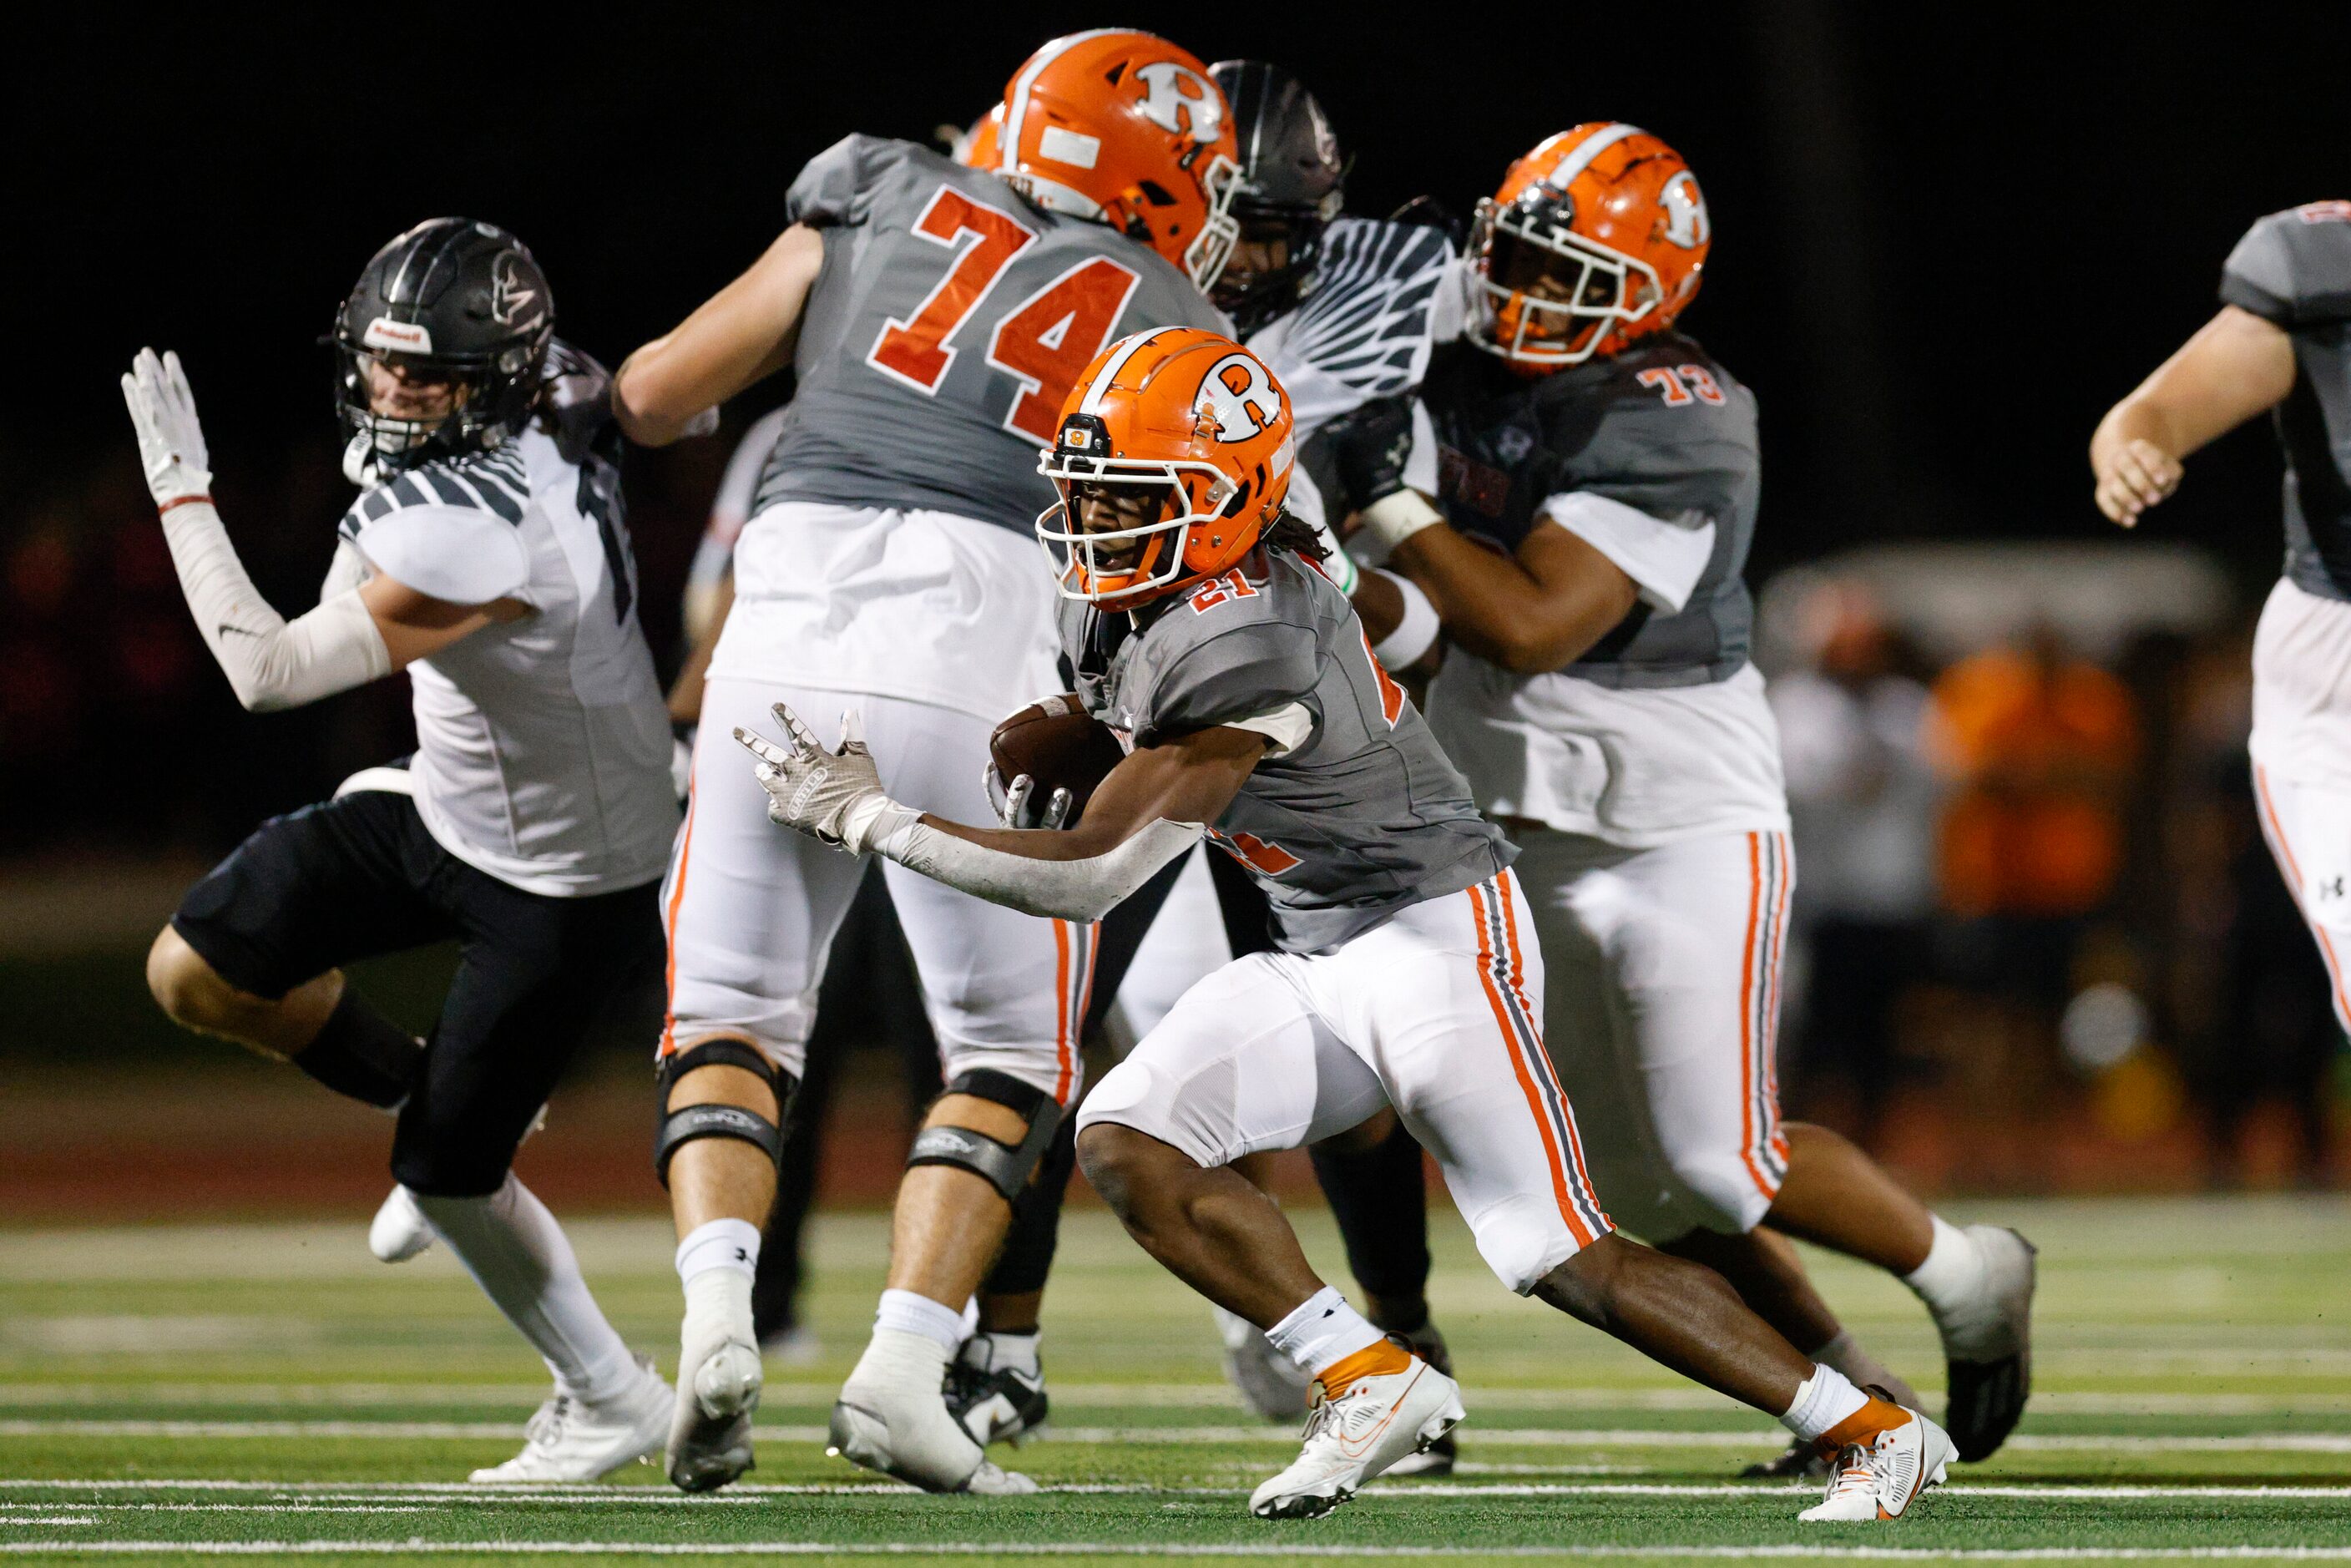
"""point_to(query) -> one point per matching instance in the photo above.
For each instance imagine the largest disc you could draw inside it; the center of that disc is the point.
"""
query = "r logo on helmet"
(1239, 394)
(1181, 101)
(1685, 210)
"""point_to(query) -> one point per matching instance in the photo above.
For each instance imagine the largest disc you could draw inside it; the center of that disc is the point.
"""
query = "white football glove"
(170, 437)
(835, 797)
(1015, 805)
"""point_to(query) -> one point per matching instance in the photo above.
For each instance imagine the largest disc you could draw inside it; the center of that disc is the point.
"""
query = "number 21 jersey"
(946, 325)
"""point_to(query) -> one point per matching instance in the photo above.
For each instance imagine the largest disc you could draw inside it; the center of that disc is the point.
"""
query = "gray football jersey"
(1365, 815)
(949, 321)
(2293, 269)
(1661, 428)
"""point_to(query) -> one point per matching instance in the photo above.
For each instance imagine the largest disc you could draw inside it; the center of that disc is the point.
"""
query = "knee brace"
(1006, 1166)
(674, 1129)
(1026, 1257)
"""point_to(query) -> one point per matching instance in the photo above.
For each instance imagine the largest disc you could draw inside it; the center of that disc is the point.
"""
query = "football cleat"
(916, 1440)
(1358, 1433)
(1439, 1457)
(718, 1382)
(1879, 1480)
(995, 1404)
(1268, 1382)
(1988, 1347)
(399, 1231)
(570, 1440)
(1803, 1461)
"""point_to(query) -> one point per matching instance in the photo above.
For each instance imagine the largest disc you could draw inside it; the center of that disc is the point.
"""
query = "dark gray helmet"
(454, 299)
(1292, 185)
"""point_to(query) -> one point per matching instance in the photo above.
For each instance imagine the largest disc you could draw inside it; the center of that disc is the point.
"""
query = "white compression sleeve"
(1415, 632)
(271, 662)
(1083, 890)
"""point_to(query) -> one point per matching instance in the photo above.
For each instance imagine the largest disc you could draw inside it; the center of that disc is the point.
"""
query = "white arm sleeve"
(1663, 559)
(1082, 890)
(347, 570)
(271, 662)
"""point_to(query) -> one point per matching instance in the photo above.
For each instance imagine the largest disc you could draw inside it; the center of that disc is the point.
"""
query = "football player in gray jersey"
(1599, 478)
(1205, 634)
(1341, 309)
(2281, 344)
(487, 557)
(935, 314)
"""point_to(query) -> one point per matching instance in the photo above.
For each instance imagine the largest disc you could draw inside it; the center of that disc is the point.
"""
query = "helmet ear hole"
(1241, 500)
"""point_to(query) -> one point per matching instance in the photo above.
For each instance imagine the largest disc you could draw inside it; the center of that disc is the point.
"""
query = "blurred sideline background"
(2041, 946)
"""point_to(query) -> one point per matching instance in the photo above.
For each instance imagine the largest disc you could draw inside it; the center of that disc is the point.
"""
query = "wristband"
(1336, 563)
(198, 498)
(866, 824)
(1415, 633)
(1392, 519)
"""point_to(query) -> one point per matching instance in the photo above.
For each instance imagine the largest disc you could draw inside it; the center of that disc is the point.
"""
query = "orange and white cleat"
(1882, 1478)
(1358, 1432)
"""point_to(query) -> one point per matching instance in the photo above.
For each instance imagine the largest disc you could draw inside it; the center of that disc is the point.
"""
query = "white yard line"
(1792, 1551)
(321, 1496)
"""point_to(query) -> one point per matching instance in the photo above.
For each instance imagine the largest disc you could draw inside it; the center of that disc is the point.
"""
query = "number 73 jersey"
(948, 323)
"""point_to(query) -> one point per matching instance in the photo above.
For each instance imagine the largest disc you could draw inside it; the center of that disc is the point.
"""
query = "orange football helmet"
(1194, 428)
(980, 147)
(1128, 130)
(1596, 238)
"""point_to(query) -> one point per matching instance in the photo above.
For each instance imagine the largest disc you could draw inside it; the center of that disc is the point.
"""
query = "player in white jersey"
(1599, 480)
(487, 556)
(935, 314)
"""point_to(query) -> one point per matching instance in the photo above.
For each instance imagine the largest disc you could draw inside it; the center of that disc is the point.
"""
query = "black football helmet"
(1292, 181)
(452, 297)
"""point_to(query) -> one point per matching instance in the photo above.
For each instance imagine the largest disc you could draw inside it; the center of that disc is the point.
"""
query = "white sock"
(1951, 1280)
(907, 1312)
(899, 1360)
(993, 1350)
(1846, 1355)
(1324, 1329)
(719, 1244)
(1823, 1400)
(514, 1249)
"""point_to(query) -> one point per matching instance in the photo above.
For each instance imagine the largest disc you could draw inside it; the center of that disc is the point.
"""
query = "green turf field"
(264, 1390)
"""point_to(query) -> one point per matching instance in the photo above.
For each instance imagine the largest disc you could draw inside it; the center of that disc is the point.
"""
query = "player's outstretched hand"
(170, 437)
(833, 795)
(2135, 475)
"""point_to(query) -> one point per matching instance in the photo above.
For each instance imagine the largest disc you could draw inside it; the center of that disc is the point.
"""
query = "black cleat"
(1003, 1406)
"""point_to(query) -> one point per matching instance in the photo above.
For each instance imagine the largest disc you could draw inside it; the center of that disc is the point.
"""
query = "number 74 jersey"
(948, 323)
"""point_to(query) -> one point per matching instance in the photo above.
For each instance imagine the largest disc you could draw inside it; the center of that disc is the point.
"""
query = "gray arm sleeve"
(1082, 890)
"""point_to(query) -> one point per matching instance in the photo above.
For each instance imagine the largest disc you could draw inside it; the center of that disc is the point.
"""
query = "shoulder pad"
(492, 482)
(1232, 647)
(1366, 324)
(2293, 268)
(837, 186)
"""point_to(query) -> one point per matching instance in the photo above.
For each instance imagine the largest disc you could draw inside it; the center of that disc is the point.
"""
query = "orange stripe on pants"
(2293, 879)
(1747, 1016)
(1575, 1227)
(669, 932)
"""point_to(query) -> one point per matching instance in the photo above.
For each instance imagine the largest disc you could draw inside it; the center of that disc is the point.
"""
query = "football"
(1061, 746)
